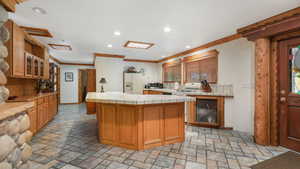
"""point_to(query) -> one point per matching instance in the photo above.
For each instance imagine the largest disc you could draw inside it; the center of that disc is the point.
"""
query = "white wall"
(236, 66)
(112, 69)
(69, 90)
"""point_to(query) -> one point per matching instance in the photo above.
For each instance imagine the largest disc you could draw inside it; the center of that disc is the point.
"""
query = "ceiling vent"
(60, 47)
(138, 45)
(37, 31)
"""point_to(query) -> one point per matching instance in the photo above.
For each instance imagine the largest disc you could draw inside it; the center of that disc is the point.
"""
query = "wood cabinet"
(201, 67)
(140, 127)
(152, 92)
(16, 48)
(27, 57)
(46, 110)
(172, 72)
(207, 111)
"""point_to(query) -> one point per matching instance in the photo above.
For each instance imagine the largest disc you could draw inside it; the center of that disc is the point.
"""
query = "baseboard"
(69, 103)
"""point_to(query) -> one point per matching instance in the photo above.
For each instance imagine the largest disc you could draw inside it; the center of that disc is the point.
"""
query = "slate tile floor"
(70, 142)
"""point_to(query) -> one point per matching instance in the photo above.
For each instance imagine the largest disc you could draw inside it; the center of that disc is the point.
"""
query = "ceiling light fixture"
(163, 56)
(39, 10)
(188, 46)
(138, 45)
(117, 33)
(167, 29)
(109, 45)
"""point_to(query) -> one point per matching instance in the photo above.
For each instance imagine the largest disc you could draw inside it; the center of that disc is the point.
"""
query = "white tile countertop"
(227, 92)
(135, 99)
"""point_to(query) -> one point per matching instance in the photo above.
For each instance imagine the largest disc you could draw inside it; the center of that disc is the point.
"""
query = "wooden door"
(80, 86)
(91, 87)
(289, 80)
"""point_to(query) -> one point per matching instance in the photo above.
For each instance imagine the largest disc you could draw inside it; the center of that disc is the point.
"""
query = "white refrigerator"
(133, 83)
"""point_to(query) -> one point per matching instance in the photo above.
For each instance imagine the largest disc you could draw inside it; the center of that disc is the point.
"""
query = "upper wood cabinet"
(27, 57)
(16, 54)
(172, 72)
(201, 67)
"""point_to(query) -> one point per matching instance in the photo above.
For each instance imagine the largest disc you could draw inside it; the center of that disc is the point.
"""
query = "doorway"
(289, 86)
(82, 85)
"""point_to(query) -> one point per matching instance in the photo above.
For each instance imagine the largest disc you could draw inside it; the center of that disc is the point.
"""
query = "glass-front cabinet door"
(28, 65)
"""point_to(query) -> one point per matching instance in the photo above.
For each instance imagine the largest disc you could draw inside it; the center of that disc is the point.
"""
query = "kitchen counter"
(223, 93)
(134, 99)
(30, 98)
(139, 122)
(11, 109)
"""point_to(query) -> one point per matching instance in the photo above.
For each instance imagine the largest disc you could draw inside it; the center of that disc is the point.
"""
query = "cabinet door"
(18, 52)
(153, 126)
(40, 116)
(32, 113)
(174, 123)
(28, 65)
(41, 68)
(35, 67)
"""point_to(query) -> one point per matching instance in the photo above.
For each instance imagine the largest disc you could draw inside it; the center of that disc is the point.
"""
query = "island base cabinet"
(140, 127)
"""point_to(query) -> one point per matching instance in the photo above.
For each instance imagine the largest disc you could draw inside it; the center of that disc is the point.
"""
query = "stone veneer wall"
(14, 133)
(14, 136)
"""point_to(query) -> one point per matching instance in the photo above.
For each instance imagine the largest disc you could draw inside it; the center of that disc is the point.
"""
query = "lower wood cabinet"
(44, 111)
(140, 127)
(152, 92)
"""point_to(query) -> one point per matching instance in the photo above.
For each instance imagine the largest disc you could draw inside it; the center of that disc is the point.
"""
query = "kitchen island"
(139, 121)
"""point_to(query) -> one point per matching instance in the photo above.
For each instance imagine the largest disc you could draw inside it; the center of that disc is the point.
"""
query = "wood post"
(262, 91)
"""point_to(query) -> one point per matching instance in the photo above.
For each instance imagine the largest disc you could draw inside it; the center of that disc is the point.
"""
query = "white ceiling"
(88, 25)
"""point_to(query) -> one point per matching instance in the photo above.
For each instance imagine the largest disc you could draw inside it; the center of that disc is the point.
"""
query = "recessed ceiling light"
(188, 46)
(39, 10)
(117, 33)
(167, 29)
(109, 45)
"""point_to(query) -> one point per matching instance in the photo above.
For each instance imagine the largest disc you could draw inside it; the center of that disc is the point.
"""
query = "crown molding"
(205, 46)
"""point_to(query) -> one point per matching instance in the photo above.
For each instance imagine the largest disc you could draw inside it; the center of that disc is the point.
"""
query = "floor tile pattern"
(70, 142)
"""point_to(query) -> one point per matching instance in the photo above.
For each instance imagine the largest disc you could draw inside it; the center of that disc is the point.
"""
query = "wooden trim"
(108, 55)
(69, 103)
(286, 36)
(20, 1)
(271, 20)
(205, 46)
(201, 56)
(145, 43)
(274, 29)
(56, 60)
(73, 64)
(137, 60)
(9, 5)
(53, 46)
(40, 31)
(262, 91)
(274, 89)
(76, 64)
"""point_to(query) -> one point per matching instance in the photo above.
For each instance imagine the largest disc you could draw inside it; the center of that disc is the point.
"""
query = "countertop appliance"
(154, 85)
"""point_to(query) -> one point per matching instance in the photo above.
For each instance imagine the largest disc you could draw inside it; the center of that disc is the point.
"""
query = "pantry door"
(289, 85)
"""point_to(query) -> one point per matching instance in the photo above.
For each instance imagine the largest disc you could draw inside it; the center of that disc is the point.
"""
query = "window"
(172, 72)
(201, 67)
